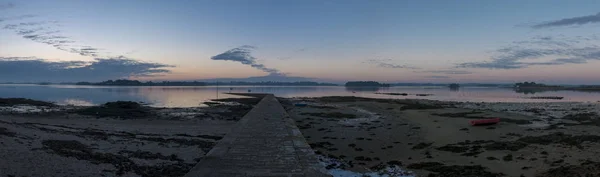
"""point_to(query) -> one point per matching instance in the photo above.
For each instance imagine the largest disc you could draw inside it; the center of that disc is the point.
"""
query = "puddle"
(371, 117)
(390, 171)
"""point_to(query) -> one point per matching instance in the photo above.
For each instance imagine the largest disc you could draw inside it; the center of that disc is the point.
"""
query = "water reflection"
(363, 89)
(71, 101)
(532, 91)
(190, 96)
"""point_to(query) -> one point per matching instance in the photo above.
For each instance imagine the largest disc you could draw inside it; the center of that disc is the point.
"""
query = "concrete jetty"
(265, 142)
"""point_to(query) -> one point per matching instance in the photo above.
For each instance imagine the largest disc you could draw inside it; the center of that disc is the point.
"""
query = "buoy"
(484, 121)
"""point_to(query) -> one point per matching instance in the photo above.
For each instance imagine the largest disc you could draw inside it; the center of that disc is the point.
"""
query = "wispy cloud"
(386, 63)
(20, 17)
(243, 54)
(447, 71)
(43, 31)
(438, 77)
(523, 54)
(30, 69)
(570, 21)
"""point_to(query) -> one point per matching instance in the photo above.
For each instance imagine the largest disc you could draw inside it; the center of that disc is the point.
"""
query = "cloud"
(44, 32)
(438, 77)
(243, 54)
(41, 32)
(21, 17)
(385, 63)
(560, 50)
(29, 69)
(6, 6)
(571, 60)
(85, 51)
(497, 64)
(448, 72)
(570, 21)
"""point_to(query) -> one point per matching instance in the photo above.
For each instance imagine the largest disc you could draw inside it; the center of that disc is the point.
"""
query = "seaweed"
(121, 109)
(23, 101)
(442, 170)
(329, 114)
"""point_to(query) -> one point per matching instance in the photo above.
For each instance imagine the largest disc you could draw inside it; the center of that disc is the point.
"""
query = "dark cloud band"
(243, 54)
(523, 54)
(447, 72)
(570, 21)
(28, 69)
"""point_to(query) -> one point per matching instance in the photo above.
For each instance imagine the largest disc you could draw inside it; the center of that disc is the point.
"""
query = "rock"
(422, 145)
(442, 170)
(508, 157)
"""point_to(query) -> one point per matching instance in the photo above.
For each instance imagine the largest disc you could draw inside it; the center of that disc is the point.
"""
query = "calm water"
(177, 96)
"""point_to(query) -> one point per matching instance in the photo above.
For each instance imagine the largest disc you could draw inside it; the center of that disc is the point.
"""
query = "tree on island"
(454, 86)
(528, 84)
(125, 82)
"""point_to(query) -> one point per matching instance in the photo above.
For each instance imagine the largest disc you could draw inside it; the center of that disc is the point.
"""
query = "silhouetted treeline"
(534, 85)
(125, 82)
(587, 88)
(269, 83)
(454, 86)
(446, 84)
(419, 84)
(365, 84)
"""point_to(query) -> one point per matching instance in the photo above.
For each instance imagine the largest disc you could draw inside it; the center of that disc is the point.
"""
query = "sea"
(194, 96)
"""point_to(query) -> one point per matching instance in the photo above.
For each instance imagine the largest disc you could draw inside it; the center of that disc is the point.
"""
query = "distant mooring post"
(217, 90)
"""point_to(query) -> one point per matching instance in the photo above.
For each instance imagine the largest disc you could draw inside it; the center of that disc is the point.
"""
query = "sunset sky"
(389, 41)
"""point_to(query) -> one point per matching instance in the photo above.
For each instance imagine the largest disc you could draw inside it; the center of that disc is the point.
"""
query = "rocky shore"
(378, 137)
(113, 139)
(352, 136)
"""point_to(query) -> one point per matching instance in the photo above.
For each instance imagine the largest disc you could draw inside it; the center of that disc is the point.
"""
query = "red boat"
(484, 121)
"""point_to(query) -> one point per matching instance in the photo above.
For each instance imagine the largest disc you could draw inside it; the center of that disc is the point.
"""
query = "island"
(125, 82)
(365, 84)
(454, 86)
(532, 87)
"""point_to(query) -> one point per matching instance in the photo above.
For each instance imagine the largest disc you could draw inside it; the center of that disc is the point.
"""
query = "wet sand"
(434, 138)
(352, 136)
(129, 140)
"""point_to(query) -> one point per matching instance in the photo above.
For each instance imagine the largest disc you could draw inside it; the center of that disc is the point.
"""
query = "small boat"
(484, 121)
(421, 94)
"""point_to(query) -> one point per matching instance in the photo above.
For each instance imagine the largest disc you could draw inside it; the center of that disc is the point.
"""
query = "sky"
(328, 40)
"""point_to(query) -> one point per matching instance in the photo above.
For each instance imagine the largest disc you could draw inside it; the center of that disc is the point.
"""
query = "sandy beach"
(434, 138)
